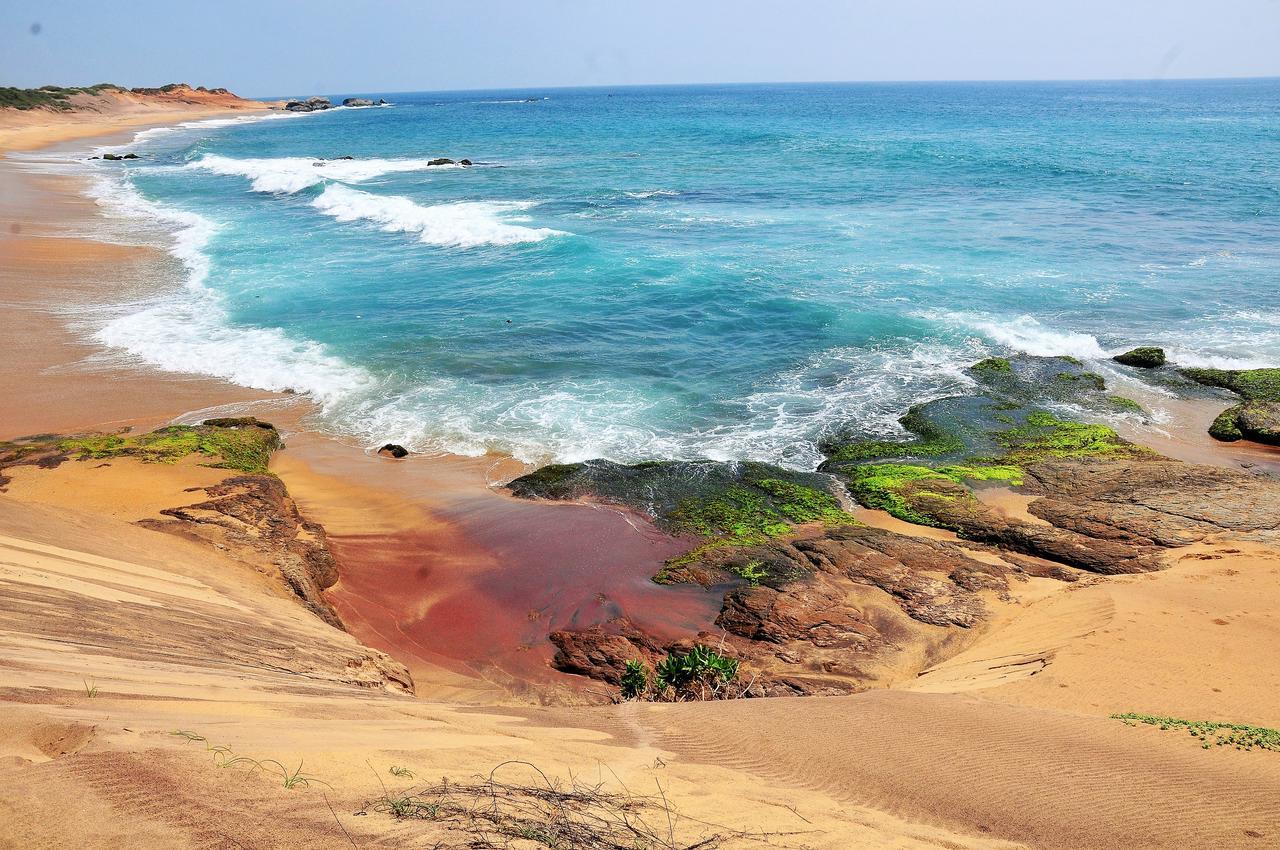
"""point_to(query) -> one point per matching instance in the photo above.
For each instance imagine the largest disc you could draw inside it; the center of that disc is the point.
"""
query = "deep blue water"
(704, 271)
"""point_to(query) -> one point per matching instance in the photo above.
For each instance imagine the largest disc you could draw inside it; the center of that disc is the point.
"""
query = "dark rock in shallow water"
(1253, 420)
(357, 101)
(393, 450)
(311, 104)
(348, 156)
(239, 422)
(1144, 357)
(1249, 384)
(440, 161)
(464, 162)
(737, 501)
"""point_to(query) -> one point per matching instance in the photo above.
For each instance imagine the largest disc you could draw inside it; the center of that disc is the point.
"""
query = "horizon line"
(806, 83)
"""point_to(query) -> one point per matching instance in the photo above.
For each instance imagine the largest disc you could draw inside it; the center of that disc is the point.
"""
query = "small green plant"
(1209, 733)
(635, 680)
(90, 688)
(700, 666)
(401, 772)
(224, 757)
(753, 571)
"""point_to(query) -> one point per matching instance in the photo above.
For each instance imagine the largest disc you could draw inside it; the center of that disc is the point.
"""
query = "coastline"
(471, 551)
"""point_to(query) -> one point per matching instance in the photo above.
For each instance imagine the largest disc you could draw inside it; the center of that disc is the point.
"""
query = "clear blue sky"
(276, 47)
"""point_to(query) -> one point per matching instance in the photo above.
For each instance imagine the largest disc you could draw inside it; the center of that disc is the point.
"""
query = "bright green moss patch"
(800, 504)
(246, 448)
(898, 489)
(993, 364)
(1045, 437)
(1209, 733)
(1250, 384)
(883, 486)
(1126, 405)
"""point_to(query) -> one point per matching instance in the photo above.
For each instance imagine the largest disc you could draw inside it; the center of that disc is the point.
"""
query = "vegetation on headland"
(52, 97)
(245, 444)
(1210, 733)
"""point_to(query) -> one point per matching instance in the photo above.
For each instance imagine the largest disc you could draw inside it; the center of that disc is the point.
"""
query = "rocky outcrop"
(253, 518)
(357, 101)
(392, 450)
(311, 104)
(1253, 420)
(1143, 357)
(815, 603)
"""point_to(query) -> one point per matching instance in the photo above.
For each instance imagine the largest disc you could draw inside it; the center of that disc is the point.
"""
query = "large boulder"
(1253, 420)
(357, 101)
(1143, 357)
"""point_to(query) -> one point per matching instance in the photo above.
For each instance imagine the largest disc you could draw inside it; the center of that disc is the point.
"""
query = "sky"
(292, 48)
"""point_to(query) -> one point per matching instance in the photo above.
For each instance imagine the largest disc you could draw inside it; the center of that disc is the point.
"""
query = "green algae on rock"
(245, 444)
(1252, 420)
(1249, 384)
(739, 503)
(1142, 357)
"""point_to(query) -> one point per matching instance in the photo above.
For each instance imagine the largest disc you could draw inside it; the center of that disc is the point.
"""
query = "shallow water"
(701, 271)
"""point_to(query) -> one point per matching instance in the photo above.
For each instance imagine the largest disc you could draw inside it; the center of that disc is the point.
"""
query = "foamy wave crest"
(142, 137)
(1025, 334)
(465, 224)
(287, 175)
(187, 330)
(574, 420)
(653, 193)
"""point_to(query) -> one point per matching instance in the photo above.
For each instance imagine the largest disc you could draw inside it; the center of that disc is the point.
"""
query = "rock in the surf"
(1143, 357)
(393, 450)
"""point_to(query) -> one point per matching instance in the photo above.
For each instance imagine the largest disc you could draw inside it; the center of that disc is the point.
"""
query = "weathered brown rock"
(252, 517)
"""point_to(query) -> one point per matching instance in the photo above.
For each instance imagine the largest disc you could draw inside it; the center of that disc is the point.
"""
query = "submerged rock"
(1143, 357)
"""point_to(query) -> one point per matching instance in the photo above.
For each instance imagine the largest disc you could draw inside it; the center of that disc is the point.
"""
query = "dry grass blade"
(497, 810)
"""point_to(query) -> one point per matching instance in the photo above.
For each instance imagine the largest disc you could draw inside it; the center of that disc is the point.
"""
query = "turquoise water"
(702, 271)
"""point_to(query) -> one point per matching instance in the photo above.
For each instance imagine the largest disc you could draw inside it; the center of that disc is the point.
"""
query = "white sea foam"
(152, 133)
(187, 330)
(287, 175)
(1024, 334)
(465, 224)
(653, 193)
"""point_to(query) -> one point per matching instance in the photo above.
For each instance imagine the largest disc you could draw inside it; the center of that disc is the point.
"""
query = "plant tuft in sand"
(1209, 733)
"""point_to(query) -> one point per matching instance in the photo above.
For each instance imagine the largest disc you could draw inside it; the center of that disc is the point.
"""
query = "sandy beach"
(120, 626)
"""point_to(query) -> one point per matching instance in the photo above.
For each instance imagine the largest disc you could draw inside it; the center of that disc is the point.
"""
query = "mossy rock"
(993, 364)
(1142, 357)
(740, 503)
(1249, 384)
(1253, 420)
(1124, 405)
(245, 444)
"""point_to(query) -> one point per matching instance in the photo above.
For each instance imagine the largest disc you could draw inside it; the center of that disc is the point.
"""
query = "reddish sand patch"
(461, 576)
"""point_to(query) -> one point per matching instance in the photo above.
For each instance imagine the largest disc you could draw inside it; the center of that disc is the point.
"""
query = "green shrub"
(635, 680)
(700, 666)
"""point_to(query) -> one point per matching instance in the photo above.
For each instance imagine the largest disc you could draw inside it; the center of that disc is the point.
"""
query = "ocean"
(700, 271)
